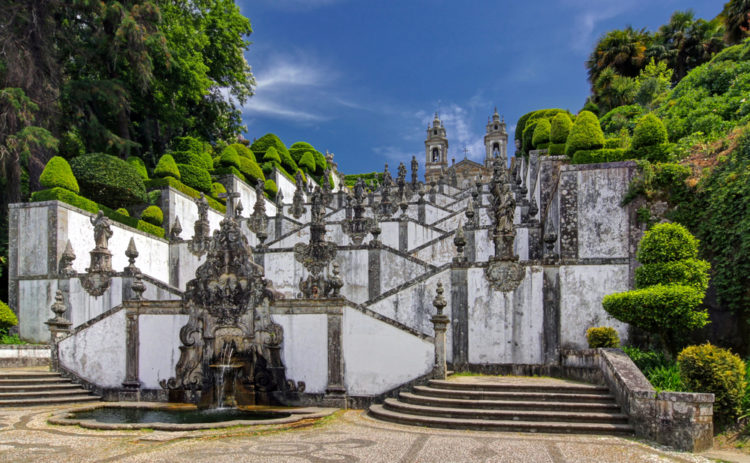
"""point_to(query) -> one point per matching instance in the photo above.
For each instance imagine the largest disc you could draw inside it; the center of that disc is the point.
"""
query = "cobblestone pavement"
(349, 436)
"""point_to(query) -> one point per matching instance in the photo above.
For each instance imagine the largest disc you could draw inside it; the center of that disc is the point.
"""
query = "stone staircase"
(28, 387)
(512, 404)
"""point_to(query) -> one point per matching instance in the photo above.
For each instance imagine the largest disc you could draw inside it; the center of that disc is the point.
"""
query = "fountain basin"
(180, 417)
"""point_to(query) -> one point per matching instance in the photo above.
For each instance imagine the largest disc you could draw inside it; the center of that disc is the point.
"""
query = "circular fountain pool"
(180, 417)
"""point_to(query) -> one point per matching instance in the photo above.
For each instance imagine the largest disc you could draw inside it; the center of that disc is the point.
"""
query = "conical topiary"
(57, 173)
(586, 134)
(167, 167)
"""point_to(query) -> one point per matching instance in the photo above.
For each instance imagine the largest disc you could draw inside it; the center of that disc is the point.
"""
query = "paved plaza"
(348, 436)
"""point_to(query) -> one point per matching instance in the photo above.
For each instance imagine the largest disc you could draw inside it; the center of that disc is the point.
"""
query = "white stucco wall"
(602, 222)
(97, 353)
(35, 297)
(439, 252)
(158, 347)
(582, 288)
(305, 349)
(396, 270)
(33, 234)
(379, 357)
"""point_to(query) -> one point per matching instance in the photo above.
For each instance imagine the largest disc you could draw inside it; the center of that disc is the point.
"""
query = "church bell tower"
(495, 141)
(436, 150)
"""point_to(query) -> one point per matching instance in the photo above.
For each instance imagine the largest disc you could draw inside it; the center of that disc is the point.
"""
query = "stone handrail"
(683, 420)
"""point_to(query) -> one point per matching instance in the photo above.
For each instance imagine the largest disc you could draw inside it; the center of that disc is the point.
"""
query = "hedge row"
(598, 155)
(80, 202)
(108, 180)
(181, 187)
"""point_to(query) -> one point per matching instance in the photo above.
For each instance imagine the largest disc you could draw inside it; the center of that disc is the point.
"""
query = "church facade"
(465, 172)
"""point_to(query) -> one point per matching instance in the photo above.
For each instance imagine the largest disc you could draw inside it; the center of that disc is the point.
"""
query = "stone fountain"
(231, 349)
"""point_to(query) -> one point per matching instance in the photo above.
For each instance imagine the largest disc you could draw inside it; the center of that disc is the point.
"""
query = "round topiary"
(108, 180)
(540, 139)
(153, 215)
(261, 145)
(307, 163)
(602, 336)
(528, 136)
(270, 188)
(560, 128)
(585, 134)
(649, 131)
(243, 151)
(300, 148)
(707, 368)
(251, 170)
(189, 150)
(271, 155)
(217, 189)
(230, 158)
(138, 165)
(123, 211)
(167, 167)
(57, 173)
(195, 177)
(667, 242)
(8, 319)
(689, 272)
(320, 162)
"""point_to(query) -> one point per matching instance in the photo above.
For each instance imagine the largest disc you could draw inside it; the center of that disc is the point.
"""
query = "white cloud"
(463, 133)
(590, 13)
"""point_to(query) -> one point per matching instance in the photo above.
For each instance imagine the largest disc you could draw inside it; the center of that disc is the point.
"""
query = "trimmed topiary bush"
(195, 177)
(153, 215)
(108, 180)
(300, 148)
(123, 211)
(612, 143)
(230, 158)
(596, 156)
(271, 155)
(602, 336)
(251, 170)
(559, 129)
(650, 139)
(217, 189)
(270, 188)
(167, 167)
(57, 173)
(527, 143)
(307, 163)
(707, 368)
(556, 149)
(541, 136)
(585, 134)
(320, 162)
(189, 150)
(8, 319)
(670, 286)
(138, 165)
(243, 151)
(261, 145)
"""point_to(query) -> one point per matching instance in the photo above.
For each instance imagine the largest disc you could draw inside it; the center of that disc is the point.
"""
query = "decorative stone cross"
(230, 202)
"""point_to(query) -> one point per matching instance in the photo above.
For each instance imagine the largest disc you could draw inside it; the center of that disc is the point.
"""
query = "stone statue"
(102, 230)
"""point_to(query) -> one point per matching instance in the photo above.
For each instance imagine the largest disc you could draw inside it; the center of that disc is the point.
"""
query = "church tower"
(495, 141)
(436, 150)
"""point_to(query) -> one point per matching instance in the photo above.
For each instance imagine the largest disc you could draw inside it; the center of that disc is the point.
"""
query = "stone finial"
(550, 238)
(238, 208)
(404, 205)
(439, 301)
(460, 241)
(335, 282)
(470, 213)
(132, 253)
(533, 207)
(58, 308)
(174, 233)
(201, 228)
(420, 193)
(375, 232)
(414, 172)
(138, 287)
(66, 262)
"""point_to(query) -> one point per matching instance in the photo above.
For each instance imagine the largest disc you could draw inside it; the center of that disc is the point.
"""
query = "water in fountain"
(220, 376)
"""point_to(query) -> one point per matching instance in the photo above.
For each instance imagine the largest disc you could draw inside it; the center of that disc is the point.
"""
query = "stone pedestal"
(440, 324)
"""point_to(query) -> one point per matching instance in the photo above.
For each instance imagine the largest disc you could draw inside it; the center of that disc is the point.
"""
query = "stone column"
(59, 328)
(335, 355)
(373, 272)
(403, 235)
(460, 316)
(132, 383)
(440, 324)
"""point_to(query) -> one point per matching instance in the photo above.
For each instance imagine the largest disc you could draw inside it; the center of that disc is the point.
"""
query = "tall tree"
(622, 50)
(736, 17)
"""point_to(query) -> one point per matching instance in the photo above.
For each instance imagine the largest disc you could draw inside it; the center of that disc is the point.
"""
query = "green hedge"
(138, 165)
(123, 211)
(320, 162)
(222, 171)
(167, 167)
(230, 158)
(667, 242)
(80, 202)
(602, 336)
(270, 188)
(108, 180)
(689, 272)
(707, 368)
(527, 143)
(195, 177)
(217, 189)
(57, 173)
(307, 163)
(612, 143)
(560, 128)
(243, 151)
(541, 136)
(599, 155)
(189, 150)
(8, 319)
(197, 160)
(271, 155)
(181, 187)
(251, 170)
(556, 149)
(585, 134)
(619, 118)
(153, 215)
(298, 149)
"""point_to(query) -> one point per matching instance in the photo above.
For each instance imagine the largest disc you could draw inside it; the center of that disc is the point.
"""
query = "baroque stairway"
(23, 387)
(516, 404)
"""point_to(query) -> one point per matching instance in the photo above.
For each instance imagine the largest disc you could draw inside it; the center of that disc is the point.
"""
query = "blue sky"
(362, 79)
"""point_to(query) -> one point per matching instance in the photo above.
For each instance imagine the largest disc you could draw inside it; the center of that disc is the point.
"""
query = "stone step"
(379, 411)
(595, 397)
(558, 387)
(18, 395)
(39, 387)
(33, 381)
(416, 399)
(570, 416)
(53, 400)
(34, 374)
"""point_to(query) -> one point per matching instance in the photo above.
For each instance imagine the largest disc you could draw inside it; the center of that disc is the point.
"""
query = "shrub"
(270, 188)
(667, 242)
(8, 319)
(268, 167)
(271, 155)
(666, 378)
(307, 163)
(167, 167)
(556, 149)
(320, 162)
(646, 360)
(108, 180)
(195, 177)
(230, 158)
(611, 143)
(527, 143)
(560, 128)
(217, 189)
(123, 211)
(261, 145)
(298, 149)
(138, 165)
(707, 368)
(221, 171)
(179, 186)
(153, 215)
(621, 117)
(71, 145)
(585, 134)
(57, 173)
(602, 336)
(251, 170)
(689, 272)
(541, 136)
(600, 155)
(189, 150)
(243, 151)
